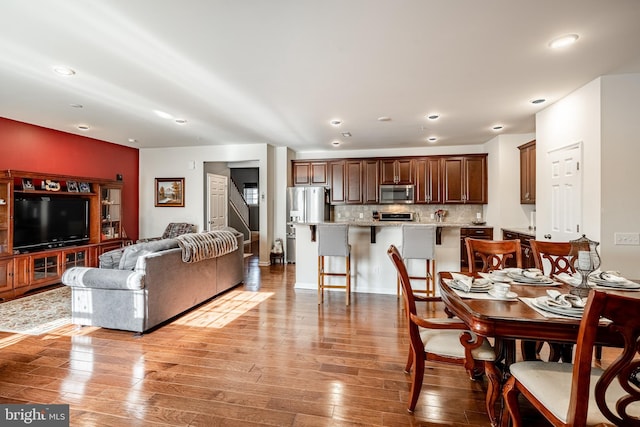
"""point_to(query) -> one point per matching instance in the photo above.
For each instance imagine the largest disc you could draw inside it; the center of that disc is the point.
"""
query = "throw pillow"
(130, 256)
(111, 259)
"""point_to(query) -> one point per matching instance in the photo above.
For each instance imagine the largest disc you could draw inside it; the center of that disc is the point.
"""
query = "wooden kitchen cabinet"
(337, 182)
(484, 233)
(465, 179)
(428, 180)
(353, 185)
(310, 173)
(528, 261)
(396, 171)
(528, 173)
(371, 180)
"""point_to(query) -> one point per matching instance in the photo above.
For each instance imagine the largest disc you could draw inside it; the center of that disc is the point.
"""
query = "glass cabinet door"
(5, 223)
(111, 212)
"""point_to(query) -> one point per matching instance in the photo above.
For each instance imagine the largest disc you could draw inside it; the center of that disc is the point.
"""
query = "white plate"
(540, 303)
(627, 284)
(540, 280)
(510, 295)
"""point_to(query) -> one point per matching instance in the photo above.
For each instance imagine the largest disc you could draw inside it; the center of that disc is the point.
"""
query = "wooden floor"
(261, 354)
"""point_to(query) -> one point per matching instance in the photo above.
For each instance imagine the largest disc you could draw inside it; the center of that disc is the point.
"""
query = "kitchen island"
(371, 269)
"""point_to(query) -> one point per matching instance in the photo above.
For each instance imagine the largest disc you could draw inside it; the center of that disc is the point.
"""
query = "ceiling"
(278, 71)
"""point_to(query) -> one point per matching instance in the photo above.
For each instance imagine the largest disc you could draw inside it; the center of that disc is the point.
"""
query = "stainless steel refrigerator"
(304, 204)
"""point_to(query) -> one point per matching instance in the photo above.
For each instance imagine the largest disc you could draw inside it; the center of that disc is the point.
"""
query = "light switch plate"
(627, 239)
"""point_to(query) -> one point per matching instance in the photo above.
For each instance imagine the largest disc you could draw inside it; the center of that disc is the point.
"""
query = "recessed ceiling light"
(335, 122)
(133, 140)
(77, 105)
(163, 114)
(64, 71)
(563, 41)
(497, 127)
(346, 134)
(384, 119)
(538, 101)
(83, 127)
(181, 121)
(433, 116)
(335, 143)
(432, 139)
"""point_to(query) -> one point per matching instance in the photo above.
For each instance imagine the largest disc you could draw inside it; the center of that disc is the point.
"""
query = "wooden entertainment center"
(25, 269)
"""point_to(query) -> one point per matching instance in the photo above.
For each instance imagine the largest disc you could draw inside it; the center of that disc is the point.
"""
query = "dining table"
(507, 320)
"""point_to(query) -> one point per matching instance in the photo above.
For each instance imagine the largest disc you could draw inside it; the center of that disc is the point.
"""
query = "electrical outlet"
(361, 215)
(627, 239)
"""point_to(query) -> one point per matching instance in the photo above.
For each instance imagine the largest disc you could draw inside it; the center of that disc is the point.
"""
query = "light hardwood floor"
(261, 354)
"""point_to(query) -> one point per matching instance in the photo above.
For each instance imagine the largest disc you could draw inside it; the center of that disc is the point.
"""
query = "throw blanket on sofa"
(200, 246)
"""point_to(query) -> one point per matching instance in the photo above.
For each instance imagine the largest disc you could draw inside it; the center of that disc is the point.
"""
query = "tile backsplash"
(422, 213)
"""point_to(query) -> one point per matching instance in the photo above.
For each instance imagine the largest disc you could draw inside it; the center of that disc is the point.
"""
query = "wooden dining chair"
(493, 253)
(553, 258)
(443, 340)
(579, 394)
(554, 255)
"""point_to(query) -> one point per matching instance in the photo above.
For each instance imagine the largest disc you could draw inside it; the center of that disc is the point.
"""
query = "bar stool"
(419, 242)
(333, 241)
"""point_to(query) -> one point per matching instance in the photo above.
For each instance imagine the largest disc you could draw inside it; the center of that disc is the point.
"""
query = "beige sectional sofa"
(146, 284)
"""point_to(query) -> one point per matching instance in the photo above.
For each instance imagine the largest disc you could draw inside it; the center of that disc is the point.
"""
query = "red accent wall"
(33, 148)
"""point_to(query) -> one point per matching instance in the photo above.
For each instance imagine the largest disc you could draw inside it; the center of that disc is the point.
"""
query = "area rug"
(37, 314)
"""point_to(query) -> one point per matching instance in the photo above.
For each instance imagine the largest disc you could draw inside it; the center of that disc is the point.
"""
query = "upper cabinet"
(310, 173)
(465, 179)
(371, 181)
(428, 180)
(528, 173)
(396, 171)
(437, 179)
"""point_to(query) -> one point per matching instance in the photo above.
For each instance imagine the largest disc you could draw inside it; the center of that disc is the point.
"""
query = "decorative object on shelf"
(52, 185)
(84, 187)
(72, 186)
(27, 184)
(169, 192)
(585, 252)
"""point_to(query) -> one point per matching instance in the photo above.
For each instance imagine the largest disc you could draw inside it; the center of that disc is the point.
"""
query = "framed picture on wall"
(84, 187)
(169, 192)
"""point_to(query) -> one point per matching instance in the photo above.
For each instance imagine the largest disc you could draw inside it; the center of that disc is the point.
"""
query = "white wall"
(604, 116)
(620, 208)
(428, 150)
(178, 162)
(573, 119)
(503, 162)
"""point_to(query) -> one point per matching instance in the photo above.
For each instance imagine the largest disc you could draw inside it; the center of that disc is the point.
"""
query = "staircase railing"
(239, 205)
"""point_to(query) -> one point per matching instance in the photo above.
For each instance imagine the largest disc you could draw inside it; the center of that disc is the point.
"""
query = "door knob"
(547, 236)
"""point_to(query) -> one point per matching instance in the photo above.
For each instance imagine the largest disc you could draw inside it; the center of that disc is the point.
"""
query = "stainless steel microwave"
(397, 194)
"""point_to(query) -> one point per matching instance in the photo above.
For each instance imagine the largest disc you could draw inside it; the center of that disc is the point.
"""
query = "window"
(250, 192)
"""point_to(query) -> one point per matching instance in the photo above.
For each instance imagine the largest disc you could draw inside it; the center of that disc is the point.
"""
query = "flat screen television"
(49, 221)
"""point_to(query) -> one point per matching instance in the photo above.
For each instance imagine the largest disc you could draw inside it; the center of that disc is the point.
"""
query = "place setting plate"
(531, 276)
(612, 280)
(543, 304)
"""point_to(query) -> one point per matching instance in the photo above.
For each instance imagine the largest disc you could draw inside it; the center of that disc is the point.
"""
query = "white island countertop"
(371, 269)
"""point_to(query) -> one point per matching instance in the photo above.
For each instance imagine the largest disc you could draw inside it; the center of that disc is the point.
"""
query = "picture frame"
(169, 192)
(72, 186)
(27, 184)
(84, 187)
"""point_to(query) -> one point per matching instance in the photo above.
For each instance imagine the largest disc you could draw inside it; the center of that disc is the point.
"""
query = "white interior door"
(217, 201)
(566, 193)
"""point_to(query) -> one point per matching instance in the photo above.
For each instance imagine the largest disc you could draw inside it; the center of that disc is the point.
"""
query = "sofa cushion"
(111, 259)
(133, 252)
(177, 228)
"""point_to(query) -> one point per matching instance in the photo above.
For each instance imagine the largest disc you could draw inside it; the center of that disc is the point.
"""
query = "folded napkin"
(608, 276)
(571, 279)
(463, 281)
(557, 299)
